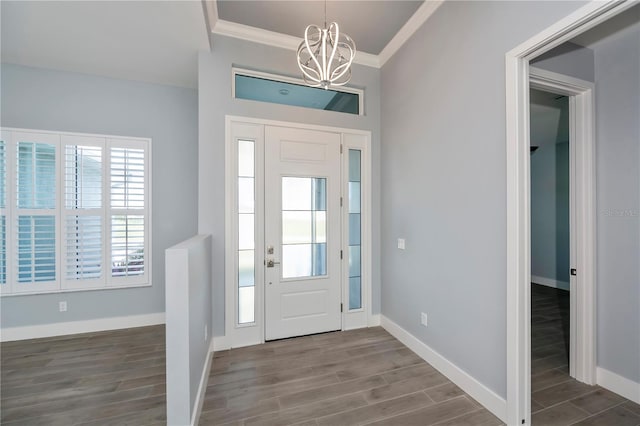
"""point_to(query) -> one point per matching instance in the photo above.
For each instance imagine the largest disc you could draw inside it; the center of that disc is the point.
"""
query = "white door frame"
(518, 204)
(582, 350)
(252, 128)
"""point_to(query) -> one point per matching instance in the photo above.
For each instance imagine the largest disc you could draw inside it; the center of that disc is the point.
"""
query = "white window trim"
(292, 80)
(61, 285)
(238, 335)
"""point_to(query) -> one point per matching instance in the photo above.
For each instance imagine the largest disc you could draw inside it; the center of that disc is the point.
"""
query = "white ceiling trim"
(285, 41)
(411, 26)
(210, 8)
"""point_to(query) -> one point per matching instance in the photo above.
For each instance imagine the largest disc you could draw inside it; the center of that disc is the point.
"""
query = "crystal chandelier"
(325, 55)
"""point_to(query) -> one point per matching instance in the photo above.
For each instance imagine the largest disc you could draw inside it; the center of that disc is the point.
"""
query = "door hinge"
(574, 271)
(340, 148)
(341, 307)
(340, 201)
(340, 254)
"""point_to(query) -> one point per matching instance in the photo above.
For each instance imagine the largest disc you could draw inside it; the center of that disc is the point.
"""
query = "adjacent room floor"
(556, 398)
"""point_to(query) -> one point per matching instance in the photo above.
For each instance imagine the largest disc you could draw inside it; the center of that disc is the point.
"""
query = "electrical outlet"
(206, 332)
(63, 306)
(423, 319)
(401, 243)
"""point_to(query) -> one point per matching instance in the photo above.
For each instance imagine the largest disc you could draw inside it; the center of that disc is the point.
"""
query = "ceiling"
(371, 24)
(549, 118)
(158, 41)
(152, 41)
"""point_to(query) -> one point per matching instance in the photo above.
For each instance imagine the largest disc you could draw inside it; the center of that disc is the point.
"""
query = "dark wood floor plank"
(379, 411)
(403, 387)
(618, 416)
(597, 401)
(330, 391)
(474, 418)
(559, 415)
(432, 414)
(308, 411)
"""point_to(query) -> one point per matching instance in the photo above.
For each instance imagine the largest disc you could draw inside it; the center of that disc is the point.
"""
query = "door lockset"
(271, 263)
(270, 250)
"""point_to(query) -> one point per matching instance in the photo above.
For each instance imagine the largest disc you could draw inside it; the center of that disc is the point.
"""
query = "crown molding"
(210, 8)
(285, 41)
(420, 16)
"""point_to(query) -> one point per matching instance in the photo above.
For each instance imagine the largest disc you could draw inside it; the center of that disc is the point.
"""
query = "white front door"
(302, 232)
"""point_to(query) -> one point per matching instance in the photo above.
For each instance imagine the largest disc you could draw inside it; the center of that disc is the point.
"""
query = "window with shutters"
(74, 212)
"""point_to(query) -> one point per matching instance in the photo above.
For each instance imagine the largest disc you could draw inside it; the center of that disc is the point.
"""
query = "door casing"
(518, 271)
(238, 335)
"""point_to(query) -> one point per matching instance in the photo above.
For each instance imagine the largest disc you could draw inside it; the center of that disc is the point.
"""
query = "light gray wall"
(568, 59)
(550, 212)
(617, 62)
(443, 179)
(62, 101)
(215, 102)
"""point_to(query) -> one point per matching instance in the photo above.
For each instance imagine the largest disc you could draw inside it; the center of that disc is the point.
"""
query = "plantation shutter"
(84, 211)
(36, 229)
(129, 210)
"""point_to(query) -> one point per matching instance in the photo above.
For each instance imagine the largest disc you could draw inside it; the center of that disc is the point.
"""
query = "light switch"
(401, 243)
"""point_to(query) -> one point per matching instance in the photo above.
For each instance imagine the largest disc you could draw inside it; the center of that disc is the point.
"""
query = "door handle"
(271, 263)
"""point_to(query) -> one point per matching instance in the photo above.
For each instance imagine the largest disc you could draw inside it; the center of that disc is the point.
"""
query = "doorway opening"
(552, 245)
(298, 230)
(520, 78)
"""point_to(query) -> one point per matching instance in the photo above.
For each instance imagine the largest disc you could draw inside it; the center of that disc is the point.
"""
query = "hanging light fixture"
(325, 55)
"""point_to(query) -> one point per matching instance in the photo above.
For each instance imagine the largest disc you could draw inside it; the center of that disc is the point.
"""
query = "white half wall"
(188, 319)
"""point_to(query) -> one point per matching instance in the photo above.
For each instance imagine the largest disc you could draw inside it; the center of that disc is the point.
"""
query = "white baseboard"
(549, 282)
(485, 396)
(618, 384)
(77, 327)
(202, 388)
(221, 343)
(374, 320)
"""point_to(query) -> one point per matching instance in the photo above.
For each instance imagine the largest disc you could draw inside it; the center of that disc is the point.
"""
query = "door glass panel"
(296, 193)
(320, 227)
(355, 229)
(296, 227)
(304, 227)
(245, 195)
(246, 231)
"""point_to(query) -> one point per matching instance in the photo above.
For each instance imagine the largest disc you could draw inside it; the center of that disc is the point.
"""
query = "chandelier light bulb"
(325, 56)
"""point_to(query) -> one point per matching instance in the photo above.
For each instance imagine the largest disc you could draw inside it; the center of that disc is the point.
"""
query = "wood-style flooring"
(556, 398)
(345, 378)
(360, 377)
(106, 378)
